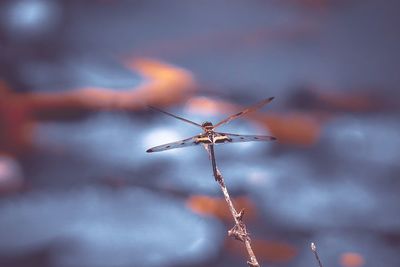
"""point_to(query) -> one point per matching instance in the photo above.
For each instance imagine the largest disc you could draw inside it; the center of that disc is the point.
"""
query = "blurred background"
(78, 189)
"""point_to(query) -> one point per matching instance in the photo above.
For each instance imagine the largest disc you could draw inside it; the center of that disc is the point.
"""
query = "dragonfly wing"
(236, 138)
(192, 141)
(176, 117)
(243, 112)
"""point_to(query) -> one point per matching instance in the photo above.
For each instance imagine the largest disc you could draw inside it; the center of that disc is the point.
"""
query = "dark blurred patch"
(325, 100)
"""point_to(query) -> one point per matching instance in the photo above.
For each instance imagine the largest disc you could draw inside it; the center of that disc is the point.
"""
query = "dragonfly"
(209, 137)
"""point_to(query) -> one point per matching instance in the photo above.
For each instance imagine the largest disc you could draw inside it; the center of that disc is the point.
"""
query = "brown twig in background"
(314, 250)
(238, 231)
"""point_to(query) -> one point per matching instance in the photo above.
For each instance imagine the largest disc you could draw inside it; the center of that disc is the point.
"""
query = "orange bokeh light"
(351, 259)
(216, 206)
(266, 251)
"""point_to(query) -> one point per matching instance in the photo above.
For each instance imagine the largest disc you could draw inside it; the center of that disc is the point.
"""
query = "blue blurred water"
(97, 226)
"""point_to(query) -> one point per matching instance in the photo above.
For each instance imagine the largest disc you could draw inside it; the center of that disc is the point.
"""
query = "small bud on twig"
(240, 215)
(252, 264)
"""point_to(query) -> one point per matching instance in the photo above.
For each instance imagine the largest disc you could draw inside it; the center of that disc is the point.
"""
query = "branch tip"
(313, 247)
(314, 250)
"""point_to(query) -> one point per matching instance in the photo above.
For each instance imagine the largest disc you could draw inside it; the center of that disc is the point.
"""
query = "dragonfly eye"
(207, 124)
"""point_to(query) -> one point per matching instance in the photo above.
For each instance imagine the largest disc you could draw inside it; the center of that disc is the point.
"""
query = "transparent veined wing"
(176, 117)
(243, 112)
(236, 138)
(192, 141)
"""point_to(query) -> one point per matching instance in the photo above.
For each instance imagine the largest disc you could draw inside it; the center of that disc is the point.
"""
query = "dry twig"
(238, 231)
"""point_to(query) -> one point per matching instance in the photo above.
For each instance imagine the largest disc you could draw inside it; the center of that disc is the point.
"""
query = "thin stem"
(314, 250)
(238, 231)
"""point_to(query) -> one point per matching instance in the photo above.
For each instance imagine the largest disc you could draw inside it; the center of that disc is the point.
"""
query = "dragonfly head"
(207, 126)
